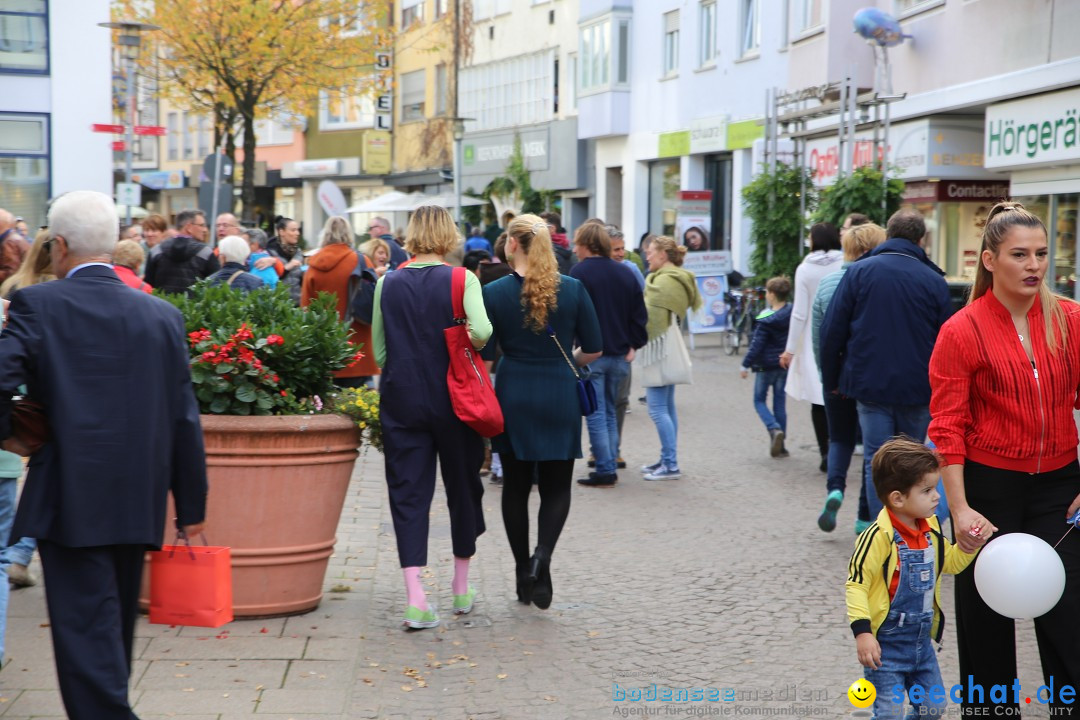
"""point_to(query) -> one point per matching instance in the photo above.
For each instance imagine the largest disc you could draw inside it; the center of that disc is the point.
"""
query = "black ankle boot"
(540, 574)
(524, 584)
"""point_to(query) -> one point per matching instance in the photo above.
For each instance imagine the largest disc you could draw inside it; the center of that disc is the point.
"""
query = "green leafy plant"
(258, 353)
(772, 202)
(860, 191)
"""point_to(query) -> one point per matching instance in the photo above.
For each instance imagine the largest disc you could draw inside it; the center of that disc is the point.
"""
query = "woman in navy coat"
(412, 308)
(536, 314)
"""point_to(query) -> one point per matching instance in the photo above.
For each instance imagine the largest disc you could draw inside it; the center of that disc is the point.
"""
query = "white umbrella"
(393, 201)
(446, 200)
(136, 212)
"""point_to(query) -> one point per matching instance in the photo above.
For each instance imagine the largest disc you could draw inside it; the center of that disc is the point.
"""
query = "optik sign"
(1040, 130)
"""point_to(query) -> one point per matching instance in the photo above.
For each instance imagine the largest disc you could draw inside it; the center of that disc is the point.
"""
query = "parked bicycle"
(743, 306)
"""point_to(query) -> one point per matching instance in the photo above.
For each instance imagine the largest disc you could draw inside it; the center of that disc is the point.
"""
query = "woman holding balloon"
(1004, 378)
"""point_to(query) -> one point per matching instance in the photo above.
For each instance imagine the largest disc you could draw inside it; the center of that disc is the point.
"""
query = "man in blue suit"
(88, 347)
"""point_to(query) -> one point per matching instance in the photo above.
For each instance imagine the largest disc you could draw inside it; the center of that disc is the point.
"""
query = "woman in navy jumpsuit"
(412, 308)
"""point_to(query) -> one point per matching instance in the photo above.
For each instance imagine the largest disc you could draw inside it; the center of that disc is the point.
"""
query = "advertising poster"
(711, 269)
(693, 221)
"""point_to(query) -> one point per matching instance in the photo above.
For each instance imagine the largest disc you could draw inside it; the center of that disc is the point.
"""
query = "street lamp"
(129, 42)
(459, 135)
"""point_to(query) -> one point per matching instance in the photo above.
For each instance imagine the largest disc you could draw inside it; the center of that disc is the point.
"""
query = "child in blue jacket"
(763, 357)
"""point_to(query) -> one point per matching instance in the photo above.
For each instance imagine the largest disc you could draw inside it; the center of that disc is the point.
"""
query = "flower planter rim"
(276, 423)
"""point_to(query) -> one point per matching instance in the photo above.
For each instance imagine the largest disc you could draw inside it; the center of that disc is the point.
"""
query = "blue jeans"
(843, 419)
(7, 517)
(606, 374)
(19, 553)
(880, 423)
(775, 379)
(661, 403)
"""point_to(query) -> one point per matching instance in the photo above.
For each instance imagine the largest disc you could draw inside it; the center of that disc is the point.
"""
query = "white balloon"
(1019, 576)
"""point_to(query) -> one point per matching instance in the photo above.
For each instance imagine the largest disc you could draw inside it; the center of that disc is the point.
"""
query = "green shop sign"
(742, 135)
(674, 144)
(1034, 131)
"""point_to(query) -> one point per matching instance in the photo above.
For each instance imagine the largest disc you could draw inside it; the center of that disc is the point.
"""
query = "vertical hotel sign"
(1040, 130)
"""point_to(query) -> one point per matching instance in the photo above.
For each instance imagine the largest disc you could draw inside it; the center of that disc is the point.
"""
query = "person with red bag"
(413, 308)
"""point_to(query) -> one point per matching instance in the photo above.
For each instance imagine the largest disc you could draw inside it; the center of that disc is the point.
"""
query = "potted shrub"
(278, 458)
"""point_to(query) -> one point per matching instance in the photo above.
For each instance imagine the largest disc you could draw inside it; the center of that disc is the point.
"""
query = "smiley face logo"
(862, 693)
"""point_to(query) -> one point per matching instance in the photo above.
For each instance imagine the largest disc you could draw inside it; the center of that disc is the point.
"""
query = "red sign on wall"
(114, 129)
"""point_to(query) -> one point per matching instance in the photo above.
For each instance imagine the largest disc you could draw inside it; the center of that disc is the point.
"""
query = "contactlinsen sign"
(1040, 130)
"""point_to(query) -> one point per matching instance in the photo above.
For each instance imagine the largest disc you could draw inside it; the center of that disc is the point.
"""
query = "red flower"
(275, 340)
(284, 393)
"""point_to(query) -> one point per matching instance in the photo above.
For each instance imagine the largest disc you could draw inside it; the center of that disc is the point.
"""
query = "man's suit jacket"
(110, 365)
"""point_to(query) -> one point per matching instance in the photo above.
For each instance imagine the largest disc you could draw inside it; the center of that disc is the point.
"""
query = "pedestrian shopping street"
(718, 580)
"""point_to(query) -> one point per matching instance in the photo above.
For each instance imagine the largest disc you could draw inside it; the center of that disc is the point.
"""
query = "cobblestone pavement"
(718, 580)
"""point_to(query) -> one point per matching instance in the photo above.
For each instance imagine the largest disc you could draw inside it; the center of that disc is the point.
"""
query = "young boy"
(269, 275)
(763, 357)
(894, 581)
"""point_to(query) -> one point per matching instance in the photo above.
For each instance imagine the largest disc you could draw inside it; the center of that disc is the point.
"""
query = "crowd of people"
(866, 332)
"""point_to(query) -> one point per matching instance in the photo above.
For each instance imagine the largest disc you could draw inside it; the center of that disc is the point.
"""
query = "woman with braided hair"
(536, 314)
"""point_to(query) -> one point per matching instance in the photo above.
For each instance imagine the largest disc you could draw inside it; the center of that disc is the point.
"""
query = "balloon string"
(1064, 536)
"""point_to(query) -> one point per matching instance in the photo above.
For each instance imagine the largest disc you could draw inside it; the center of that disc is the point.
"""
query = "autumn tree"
(249, 59)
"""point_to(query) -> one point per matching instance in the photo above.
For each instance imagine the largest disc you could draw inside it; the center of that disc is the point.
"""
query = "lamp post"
(129, 41)
(459, 135)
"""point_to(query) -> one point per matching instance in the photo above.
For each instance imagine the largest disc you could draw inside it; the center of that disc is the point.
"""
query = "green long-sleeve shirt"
(479, 325)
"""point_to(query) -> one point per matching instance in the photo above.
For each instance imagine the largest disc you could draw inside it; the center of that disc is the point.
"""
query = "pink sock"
(413, 589)
(461, 575)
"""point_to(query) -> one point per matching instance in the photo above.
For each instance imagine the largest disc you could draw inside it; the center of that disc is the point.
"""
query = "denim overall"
(907, 654)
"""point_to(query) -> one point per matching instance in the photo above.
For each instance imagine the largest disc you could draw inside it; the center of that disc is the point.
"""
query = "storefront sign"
(956, 191)
(491, 153)
(307, 168)
(376, 157)
(708, 134)
(674, 144)
(1038, 130)
(933, 147)
(741, 135)
(160, 179)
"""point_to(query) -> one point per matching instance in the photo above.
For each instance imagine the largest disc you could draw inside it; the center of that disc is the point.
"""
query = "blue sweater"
(619, 303)
(769, 341)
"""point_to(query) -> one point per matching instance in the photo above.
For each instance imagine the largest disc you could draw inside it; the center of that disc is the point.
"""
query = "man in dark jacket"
(234, 251)
(878, 334)
(564, 254)
(620, 308)
(763, 357)
(178, 263)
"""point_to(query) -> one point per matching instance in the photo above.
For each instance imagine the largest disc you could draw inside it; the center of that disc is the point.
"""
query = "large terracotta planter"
(277, 487)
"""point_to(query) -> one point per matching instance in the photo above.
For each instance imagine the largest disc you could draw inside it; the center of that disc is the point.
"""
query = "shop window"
(24, 36)
(24, 166)
(1064, 232)
(664, 184)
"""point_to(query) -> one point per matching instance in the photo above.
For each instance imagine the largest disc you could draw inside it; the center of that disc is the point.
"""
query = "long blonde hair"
(539, 290)
(36, 267)
(1004, 217)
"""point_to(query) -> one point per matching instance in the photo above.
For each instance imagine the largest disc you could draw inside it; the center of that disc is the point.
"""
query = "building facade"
(964, 134)
(51, 96)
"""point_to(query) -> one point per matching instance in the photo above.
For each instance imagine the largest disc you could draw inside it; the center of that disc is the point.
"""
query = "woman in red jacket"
(1004, 378)
(329, 271)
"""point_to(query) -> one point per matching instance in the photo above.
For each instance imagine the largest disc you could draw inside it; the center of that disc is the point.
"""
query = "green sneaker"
(827, 520)
(463, 603)
(419, 619)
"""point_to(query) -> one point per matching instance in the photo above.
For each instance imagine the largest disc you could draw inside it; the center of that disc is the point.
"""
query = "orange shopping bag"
(191, 585)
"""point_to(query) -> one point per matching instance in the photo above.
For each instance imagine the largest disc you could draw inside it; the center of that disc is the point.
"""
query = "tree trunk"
(247, 194)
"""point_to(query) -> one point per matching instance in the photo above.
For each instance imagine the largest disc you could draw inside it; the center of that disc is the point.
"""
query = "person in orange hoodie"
(329, 271)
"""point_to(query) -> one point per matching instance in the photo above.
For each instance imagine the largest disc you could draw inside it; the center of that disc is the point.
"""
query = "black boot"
(540, 574)
(524, 584)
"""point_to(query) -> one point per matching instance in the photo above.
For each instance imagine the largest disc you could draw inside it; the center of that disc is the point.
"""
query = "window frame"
(749, 19)
(442, 90)
(422, 116)
(172, 136)
(518, 90)
(416, 10)
(48, 48)
(44, 154)
(671, 45)
(707, 46)
(805, 28)
(618, 55)
(325, 123)
(918, 6)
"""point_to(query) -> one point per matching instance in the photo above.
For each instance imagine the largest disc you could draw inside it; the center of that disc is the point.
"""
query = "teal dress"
(535, 386)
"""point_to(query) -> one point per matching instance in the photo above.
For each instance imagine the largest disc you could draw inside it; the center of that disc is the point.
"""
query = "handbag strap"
(551, 334)
(457, 294)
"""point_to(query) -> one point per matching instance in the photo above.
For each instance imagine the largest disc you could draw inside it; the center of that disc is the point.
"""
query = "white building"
(671, 92)
(55, 79)
(991, 109)
(518, 84)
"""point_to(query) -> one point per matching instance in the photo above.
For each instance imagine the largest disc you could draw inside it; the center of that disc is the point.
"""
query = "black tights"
(554, 481)
(821, 428)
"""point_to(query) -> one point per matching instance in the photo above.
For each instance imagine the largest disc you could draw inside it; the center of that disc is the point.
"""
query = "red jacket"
(131, 279)
(989, 405)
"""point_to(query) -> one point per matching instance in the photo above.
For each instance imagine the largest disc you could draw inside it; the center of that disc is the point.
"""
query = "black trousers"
(821, 428)
(93, 598)
(1034, 504)
(410, 454)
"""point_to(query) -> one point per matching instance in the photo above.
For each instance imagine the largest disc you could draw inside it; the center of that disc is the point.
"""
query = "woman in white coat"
(804, 377)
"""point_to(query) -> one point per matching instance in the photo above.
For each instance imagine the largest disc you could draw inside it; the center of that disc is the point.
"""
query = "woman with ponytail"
(1004, 378)
(536, 314)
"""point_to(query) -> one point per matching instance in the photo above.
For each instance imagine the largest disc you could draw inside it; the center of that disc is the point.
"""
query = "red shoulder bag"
(471, 393)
